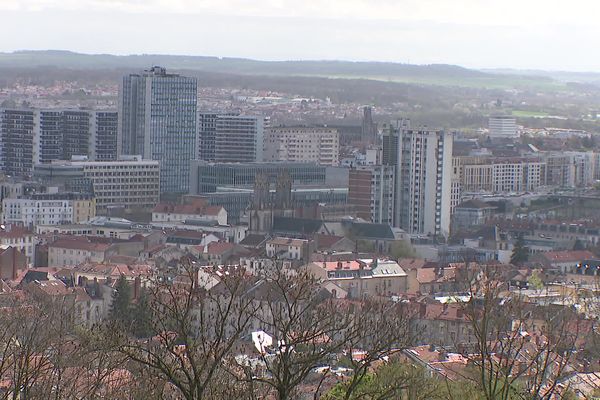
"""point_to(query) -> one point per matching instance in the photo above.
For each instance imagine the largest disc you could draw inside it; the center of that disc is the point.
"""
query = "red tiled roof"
(568, 256)
(411, 263)
(326, 241)
(79, 243)
(197, 207)
(218, 248)
(15, 232)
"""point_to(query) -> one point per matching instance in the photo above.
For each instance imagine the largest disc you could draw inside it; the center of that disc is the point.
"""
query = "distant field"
(529, 114)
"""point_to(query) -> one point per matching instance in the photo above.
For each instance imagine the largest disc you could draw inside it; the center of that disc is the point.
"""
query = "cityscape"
(191, 227)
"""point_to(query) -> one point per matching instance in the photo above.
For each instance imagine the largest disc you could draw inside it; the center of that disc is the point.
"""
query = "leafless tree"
(196, 333)
(521, 350)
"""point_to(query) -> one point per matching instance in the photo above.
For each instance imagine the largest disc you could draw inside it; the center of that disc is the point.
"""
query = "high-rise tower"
(157, 120)
(422, 159)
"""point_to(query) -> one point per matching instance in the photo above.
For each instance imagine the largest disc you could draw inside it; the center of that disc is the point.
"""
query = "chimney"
(422, 309)
(339, 265)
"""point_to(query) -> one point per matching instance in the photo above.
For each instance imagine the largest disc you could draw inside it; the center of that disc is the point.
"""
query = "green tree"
(520, 253)
(120, 306)
(141, 317)
(402, 249)
(535, 281)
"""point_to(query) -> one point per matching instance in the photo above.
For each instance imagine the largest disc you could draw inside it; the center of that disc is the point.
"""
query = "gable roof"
(297, 225)
(366, 230)
(567, 256)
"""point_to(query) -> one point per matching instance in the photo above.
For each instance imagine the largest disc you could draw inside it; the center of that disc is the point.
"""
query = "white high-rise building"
(503, 126)
(318, 144)
(423, 161)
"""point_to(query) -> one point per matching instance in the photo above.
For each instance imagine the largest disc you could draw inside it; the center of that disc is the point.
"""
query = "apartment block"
(231, 137)
(48, 209)
(320, 145)
(422, 159)
(40, 136)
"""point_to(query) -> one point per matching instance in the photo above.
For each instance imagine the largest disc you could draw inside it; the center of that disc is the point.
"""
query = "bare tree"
(520, 351)
(196, 332)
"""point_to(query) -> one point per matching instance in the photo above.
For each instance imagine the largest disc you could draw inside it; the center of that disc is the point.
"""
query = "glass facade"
(158, 122)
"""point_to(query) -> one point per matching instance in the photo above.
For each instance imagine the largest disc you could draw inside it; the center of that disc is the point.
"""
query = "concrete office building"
(503, 127)
(423, 172)
(39, 136)
(231, 137)
(129, 182)
(320, 145)
(157, 120)
(371, 192)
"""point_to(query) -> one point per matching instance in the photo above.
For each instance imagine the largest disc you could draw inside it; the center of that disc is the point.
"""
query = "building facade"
(320, 145)
(371, 193)
(157, 120)
(422, 159)
(231, 137)
(48, 209)
(503, 126)
(129, 182)
(40, 136)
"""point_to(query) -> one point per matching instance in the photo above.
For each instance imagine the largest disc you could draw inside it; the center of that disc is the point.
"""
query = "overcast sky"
(539, 34)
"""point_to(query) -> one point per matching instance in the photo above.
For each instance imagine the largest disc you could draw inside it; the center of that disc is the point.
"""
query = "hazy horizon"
(540, 35)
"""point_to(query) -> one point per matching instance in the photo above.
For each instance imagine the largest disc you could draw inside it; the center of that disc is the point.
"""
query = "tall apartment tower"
(422, 159)
(157, 120)
(40, 136)
(231, 137)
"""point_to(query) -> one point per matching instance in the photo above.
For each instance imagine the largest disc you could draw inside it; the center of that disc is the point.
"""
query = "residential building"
(503, 126)
(71, 251)
(314, 144)
(564, 261)
(363, 278)
(39, 136)
(194, 209)
(12, 262)
(288, 248)
(501, 175)
(157, 120)
(231, 137)
(128, 182)
(17, 133)
(570, 169)
(20, 238)
(371, 192)
(422, 159)
(48, 209)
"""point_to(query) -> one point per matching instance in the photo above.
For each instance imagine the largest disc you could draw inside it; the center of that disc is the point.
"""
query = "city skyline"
(472, 34)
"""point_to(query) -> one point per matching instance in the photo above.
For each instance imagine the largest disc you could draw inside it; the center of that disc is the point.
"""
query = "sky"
(523, 34)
